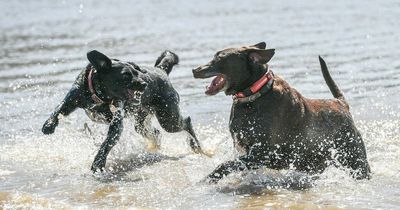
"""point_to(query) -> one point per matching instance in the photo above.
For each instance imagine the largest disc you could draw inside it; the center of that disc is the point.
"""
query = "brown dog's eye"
(217, 55)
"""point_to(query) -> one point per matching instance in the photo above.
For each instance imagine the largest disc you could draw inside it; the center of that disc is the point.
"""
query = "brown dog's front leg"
(240, 164)
(114, 132)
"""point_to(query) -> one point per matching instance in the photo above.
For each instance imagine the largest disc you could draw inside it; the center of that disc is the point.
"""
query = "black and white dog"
(109, 89)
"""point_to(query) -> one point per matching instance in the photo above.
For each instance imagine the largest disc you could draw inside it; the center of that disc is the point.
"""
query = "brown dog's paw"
(210, 180)
(213, 178)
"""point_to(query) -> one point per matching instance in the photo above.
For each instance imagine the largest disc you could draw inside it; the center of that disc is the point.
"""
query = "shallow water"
(42, 49)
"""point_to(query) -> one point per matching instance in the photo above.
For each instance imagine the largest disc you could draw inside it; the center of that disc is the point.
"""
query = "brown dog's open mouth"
(218, 84)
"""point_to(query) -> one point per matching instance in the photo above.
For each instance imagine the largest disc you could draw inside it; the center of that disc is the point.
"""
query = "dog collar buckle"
(96, 99)
(247, 99)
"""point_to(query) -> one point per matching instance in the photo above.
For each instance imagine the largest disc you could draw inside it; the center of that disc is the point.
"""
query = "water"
(42, 48)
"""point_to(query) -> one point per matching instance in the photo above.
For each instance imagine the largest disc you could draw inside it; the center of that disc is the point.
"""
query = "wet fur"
(283, 129)
(159, 99)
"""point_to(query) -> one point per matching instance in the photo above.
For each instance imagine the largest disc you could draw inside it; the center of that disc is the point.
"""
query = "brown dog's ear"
(260, 45)
(261, 56)
(100, 61)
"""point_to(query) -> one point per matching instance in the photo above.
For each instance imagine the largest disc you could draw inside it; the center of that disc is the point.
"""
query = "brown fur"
(282, 129)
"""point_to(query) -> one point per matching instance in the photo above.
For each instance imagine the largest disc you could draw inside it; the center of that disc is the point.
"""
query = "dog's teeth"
(137, 94)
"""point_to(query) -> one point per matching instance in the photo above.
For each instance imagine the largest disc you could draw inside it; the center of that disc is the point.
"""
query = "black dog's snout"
(138, 85)
(142, 86)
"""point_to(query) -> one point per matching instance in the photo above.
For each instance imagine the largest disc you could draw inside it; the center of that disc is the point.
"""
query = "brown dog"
(275, 125)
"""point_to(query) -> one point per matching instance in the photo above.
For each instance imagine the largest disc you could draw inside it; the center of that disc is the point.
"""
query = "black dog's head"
(119, 80)
(233, 68)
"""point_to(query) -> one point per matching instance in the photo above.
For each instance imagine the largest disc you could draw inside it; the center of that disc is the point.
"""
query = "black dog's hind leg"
(166, 61)
(68, 105)
(171, 121)
(114, 132)
(192, 139)
(240, 164)
(143, 127)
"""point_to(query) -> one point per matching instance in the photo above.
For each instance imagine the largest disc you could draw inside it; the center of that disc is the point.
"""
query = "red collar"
(94, 96)
(263, 85)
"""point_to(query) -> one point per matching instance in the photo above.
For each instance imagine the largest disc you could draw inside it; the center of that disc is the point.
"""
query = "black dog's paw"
(98, 166)
(174, 57)
(197, 149)
(170, 56)
(49, 126)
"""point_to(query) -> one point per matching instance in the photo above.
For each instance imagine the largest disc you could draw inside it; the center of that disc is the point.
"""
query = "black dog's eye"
(135, 73)
(126, 77)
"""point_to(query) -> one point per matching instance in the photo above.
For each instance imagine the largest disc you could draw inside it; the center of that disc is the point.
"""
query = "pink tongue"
(216, 85)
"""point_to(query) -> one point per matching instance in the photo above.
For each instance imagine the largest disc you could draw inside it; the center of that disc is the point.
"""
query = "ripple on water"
(42, 49)
(55, 172)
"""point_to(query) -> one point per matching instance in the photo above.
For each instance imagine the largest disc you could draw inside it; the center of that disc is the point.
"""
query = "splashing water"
(43, 46)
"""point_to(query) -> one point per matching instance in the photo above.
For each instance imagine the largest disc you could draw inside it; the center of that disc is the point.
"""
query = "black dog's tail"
(336, 92)
(166, 61)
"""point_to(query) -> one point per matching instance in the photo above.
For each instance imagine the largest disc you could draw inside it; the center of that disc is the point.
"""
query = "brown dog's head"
(234, 68)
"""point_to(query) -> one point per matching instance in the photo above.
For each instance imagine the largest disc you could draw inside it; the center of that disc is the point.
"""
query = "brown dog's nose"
(196, 69)
(197, 72)
(204, 71)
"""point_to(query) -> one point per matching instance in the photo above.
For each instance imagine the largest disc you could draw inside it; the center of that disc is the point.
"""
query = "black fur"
(115, 81)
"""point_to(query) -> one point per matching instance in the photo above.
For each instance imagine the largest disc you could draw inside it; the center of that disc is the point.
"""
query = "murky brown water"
(43, 46)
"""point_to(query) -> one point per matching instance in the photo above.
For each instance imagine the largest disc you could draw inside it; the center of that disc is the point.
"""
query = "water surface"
(43, 46)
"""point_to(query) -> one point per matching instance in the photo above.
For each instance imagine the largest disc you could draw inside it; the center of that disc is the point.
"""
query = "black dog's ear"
(260, 45)
(100, 61)
(261, 56)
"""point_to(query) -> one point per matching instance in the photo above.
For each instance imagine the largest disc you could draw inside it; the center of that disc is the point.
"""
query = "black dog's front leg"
(114, 132)
(240, 164)
(68, 105)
